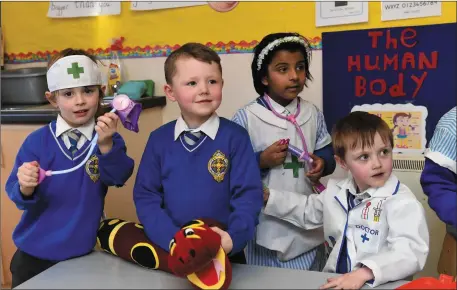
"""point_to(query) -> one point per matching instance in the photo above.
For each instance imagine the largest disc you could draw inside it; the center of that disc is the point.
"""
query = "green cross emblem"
(75, 70)
(294, 165)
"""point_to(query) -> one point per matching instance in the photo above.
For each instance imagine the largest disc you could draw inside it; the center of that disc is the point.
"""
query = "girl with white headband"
(280, 70)
(61, 215)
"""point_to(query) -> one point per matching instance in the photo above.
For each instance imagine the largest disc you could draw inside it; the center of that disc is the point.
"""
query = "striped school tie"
(191, 138)
(74, 136)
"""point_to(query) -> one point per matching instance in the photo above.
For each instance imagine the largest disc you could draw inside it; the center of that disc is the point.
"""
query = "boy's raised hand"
(27, 176)
(274, 155)
(106, 127)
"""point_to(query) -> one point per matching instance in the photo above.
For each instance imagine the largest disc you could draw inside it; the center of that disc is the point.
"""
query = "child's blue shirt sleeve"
(246, 192)
(323, 147)
(115, 166)
(440, 185)
(327, 154)
(148, 197)
(27, 153)
(438, 179)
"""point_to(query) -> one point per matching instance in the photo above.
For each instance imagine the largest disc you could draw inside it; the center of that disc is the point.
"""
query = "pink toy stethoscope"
(128, 112)
(301, 154)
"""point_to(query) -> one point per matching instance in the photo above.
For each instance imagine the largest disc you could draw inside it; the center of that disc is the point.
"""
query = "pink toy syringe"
(303, 156)
(128, 112)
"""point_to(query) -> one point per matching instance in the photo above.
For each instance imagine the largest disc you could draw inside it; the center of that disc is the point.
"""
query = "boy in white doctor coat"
(374, 227)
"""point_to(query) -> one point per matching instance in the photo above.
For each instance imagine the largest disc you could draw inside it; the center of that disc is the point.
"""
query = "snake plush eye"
(188, 232)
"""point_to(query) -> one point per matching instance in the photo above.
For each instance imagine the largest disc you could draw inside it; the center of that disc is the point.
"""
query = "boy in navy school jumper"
(62, 214)
(201, 165)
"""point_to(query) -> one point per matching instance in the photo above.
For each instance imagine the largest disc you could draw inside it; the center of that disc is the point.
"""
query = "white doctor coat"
(264, 129)
(387, 231)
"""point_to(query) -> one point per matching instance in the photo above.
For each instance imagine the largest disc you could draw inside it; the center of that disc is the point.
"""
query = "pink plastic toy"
(293, 120)
(128, 112)
(318, 187)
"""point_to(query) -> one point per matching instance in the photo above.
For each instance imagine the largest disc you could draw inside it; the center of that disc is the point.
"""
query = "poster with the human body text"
(398, 66)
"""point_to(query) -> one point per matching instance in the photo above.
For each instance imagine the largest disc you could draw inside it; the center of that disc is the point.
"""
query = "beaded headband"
(276, 43)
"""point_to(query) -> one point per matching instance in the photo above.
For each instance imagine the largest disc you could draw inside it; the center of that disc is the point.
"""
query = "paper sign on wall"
(153, 5)
(340, 12)
(82, 9)
(412, 9)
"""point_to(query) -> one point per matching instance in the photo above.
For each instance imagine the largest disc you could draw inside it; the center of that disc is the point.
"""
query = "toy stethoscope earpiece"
(128, 112)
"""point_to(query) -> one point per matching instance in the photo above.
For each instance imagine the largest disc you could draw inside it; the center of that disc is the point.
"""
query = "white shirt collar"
(290, 108)
(352, 187)
(86, 129)
(210, 127)
(387, 189)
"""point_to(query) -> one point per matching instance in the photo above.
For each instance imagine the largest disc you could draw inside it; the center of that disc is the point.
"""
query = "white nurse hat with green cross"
(73, 71)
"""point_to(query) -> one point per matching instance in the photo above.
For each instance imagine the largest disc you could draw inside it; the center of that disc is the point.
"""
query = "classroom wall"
(32, 31)
(249, 22)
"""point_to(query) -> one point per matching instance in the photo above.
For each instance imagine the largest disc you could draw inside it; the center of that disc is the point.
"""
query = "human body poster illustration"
(407, 123)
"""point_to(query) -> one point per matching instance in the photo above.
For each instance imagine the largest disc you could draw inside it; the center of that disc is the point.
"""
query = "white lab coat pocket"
(367, 237)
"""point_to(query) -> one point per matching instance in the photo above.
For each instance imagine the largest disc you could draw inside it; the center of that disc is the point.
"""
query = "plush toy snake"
(195, 251)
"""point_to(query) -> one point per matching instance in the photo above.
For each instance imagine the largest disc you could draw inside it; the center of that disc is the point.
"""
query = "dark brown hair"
(70, 51)
(258, 75)
(194, 50)
(359, 129)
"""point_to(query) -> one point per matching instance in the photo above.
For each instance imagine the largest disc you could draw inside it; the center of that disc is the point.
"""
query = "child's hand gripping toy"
(128, 112)
(303, 155)
(195, 251)
(445, 282)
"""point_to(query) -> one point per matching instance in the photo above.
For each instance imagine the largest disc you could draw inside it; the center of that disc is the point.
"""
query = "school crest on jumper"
(92, 168)
(218, 166)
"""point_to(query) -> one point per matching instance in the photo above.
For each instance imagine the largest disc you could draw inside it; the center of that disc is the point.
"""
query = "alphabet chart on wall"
(402, 65)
